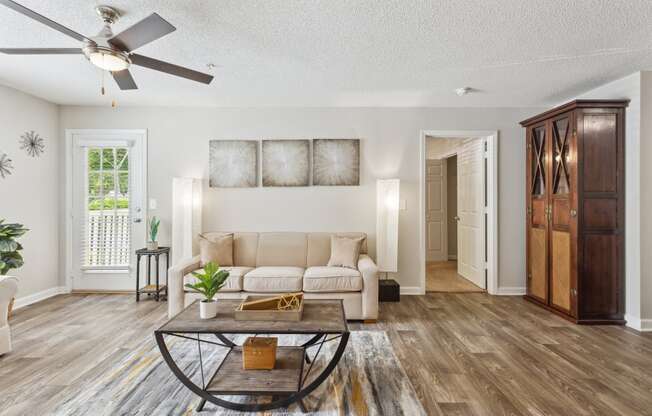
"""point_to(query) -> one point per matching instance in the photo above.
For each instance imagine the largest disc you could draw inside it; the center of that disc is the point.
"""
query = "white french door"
(470, 208)
(107, 208)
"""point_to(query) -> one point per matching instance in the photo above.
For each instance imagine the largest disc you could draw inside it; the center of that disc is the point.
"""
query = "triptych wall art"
(285, 162)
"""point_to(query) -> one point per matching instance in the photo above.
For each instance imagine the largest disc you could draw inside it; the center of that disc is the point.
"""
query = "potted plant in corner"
(209, 281)
(10, 257)
(152, 244)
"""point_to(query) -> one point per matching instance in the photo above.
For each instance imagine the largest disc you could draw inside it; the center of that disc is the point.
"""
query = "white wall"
(30, 195)
(178, 146)
(630, 88)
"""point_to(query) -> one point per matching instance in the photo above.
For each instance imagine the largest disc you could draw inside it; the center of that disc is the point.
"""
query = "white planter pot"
(152, 245)
(207, 310)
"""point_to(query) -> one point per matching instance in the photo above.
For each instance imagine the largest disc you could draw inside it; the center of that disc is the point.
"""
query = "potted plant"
(152, 244)
(10, 257)
(209, 281)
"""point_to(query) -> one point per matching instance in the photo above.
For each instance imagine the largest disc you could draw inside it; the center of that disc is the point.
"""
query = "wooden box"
(259, 353)
(267, 314)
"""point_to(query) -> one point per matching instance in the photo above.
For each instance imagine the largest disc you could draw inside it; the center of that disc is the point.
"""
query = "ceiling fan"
(110, 52)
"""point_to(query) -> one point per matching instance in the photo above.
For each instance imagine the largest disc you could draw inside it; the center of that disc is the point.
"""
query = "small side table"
(150, 288)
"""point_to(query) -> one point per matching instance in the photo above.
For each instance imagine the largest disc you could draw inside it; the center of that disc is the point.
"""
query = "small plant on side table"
(152, 244)
(10, 258)
(209, 281)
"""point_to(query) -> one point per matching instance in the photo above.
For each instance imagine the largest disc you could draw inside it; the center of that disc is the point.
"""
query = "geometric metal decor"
(5, 165)
(336, 162)
(233, 163)
(32, 143)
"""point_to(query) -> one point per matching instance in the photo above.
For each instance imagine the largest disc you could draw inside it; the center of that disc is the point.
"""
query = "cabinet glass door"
(537, 221)
(561, 215)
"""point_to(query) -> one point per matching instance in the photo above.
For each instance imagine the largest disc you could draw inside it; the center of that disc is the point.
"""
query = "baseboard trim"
(39, 296)
(510, 291)
(641, 325)
(411, 290)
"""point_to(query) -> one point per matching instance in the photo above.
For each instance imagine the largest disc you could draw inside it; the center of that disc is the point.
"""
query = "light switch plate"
(152, 203)
(402, 205)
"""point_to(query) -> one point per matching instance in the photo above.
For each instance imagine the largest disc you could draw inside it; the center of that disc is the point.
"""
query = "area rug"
(368, 380)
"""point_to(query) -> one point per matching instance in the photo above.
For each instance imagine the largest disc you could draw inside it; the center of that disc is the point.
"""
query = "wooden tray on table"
(287, 307)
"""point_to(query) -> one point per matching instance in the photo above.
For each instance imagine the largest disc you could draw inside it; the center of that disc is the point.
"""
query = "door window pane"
(107, 229)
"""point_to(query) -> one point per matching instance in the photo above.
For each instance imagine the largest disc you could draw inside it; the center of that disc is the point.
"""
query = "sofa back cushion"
(245, 246)
(282, 249)
(319, 246)
(285, 248)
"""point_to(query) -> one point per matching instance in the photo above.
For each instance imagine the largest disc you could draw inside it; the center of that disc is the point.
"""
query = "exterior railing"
(107, 238)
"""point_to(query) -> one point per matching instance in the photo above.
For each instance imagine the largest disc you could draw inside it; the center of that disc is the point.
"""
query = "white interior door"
(107, 208)
(436, 229)
(470, 209)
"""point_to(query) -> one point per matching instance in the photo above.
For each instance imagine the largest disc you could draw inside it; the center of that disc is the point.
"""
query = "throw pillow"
(345, 252)
(218, 249)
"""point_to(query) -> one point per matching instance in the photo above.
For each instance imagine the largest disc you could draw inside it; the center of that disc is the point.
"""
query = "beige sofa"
(271, 262)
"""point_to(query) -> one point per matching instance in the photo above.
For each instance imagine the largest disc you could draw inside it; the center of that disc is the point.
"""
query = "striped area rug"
(368, 380)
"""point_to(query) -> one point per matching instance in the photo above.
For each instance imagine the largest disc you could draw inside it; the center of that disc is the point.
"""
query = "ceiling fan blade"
(171, 69)
(42, 19)
(147, 30)
(124, 80)
(41, 51)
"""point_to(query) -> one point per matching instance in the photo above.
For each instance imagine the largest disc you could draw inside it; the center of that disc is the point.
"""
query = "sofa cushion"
(233, 282)
(331, 279)
(274, 279)
(216, 248)
(319, 246)
(281, 249)
(345, 252)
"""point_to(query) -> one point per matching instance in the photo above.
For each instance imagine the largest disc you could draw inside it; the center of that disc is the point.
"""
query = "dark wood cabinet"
(575, 201)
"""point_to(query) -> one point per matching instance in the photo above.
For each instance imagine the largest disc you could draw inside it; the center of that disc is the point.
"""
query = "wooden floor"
(466, 354)
(441, 276)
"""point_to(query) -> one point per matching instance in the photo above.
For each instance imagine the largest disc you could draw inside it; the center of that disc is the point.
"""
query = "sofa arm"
(369, 271)
(176, 293)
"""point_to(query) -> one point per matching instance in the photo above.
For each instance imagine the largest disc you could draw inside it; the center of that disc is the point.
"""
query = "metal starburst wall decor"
(5, 165)
(32, 143)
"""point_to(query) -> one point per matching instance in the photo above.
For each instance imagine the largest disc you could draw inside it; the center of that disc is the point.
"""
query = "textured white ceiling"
(345, 52)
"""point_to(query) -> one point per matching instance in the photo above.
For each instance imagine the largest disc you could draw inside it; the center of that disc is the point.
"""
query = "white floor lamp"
(387, 207)
(186, 217)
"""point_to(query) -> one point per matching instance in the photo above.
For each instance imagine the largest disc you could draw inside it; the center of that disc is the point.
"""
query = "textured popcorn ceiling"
(346, 52)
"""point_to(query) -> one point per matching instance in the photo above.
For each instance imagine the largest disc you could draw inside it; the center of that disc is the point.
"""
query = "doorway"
(458, 194)
(105, 204)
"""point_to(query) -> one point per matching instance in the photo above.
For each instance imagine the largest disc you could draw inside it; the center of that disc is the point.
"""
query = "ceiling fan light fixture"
(107, 59)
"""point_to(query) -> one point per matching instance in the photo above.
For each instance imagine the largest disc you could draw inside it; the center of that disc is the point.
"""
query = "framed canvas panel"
(286, 163)
(336, 162)
(233, 163)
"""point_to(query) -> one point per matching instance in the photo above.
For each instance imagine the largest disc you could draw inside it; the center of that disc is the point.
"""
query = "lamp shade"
(186, 217)
(387, 207)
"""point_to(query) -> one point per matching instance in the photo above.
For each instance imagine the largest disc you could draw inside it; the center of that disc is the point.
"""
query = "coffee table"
(287, 383)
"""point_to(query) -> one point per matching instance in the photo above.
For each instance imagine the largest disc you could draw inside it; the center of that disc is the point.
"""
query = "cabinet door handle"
(573, 213)
(574, 292)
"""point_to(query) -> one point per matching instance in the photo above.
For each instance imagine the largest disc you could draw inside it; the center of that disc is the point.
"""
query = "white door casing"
(470, 209)
(436, 226)
(111, 275)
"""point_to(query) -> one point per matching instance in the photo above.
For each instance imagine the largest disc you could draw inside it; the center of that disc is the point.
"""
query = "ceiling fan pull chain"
(103, 83)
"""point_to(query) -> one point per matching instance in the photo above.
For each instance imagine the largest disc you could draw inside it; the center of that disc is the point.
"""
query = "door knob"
(137, 220)
(456, 218)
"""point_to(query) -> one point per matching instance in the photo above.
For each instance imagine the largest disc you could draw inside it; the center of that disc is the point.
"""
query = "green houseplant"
(10, 257)
(154, 223)
(209, 281)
